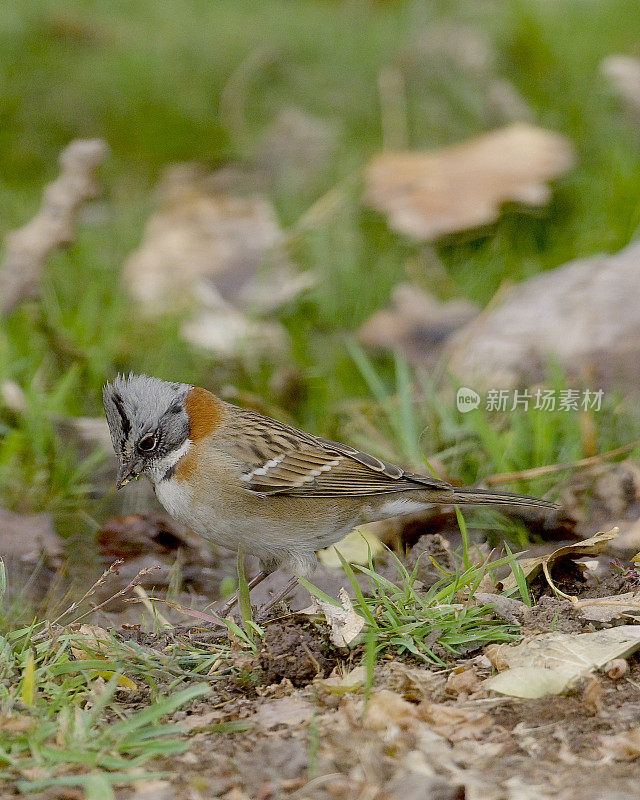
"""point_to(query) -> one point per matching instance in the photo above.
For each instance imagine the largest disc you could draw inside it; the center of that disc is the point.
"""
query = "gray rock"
(585, 315)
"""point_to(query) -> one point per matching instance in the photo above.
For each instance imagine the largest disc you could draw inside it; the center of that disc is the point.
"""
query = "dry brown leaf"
(583, 314)
(551, 662)
(414, 683)
(606, 609)
(495, 655)
(624, 74)
(150, 540)
(623, 746)
(532, 566)
(592, 695)
(387, 708)
(530, 683)
(464, 681)
(352, 681)
(416, 323)
(229, 332)
(426, 195)
(27, 249)
(453, 722)
(97, 642)
(206, 232)
(16, 724)
(203, 250)
(346, 626)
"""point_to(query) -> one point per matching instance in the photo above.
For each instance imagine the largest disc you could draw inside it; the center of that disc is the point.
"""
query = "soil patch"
(295, 650)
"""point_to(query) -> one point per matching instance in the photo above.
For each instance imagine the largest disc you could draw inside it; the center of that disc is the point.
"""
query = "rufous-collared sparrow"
(243, 480)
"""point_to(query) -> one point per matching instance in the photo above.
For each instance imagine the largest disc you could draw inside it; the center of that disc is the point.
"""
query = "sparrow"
(245, 481)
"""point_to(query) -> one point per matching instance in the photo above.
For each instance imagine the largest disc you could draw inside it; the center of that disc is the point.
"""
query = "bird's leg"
(291, 584)
(226, 608)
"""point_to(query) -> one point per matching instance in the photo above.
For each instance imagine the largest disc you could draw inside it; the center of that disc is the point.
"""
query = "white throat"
(168, 462)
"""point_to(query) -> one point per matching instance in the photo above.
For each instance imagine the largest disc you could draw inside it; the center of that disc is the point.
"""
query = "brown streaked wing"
(280, 459)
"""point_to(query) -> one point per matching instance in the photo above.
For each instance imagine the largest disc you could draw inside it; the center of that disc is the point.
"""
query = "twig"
(190, 612)
(27, 249)
(113, 570)
(551, 469)
(148, 604)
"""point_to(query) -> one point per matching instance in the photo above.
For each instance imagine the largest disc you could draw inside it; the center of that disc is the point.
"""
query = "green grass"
(90, 712)
(200, 80)
(193, 80)
(444, 621)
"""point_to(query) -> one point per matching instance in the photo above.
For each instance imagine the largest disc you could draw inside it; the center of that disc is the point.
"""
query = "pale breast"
(176, 497)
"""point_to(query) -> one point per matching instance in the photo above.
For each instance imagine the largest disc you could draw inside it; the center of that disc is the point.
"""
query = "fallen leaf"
(582, 314)
(530, 683)
(413, 683)
(96, 639)
(453, 722)
(606, 609)
(551, 662)
(13, 396)
(346, 626)
(531, 567)
(622, 746)
(495, 655)
(27, 249)
(207, 231)
(151, 540)
(592, 696)
(416, 323)
(427, 195)
(352, 681)
(16, 724)
(204, 250)
(463, 682)
(229, 332)
(387, 708)
(354, 548)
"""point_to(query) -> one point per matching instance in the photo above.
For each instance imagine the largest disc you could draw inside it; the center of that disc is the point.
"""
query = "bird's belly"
(261, 526)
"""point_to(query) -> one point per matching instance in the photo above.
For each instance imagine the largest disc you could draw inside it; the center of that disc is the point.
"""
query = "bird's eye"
(148, 443)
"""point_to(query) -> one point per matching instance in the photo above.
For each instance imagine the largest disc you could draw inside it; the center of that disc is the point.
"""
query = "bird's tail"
(487, 497)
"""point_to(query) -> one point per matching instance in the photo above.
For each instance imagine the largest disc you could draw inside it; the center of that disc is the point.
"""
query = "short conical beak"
(128, 471)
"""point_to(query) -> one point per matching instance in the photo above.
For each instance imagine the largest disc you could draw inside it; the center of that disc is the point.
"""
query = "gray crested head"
(147, 422)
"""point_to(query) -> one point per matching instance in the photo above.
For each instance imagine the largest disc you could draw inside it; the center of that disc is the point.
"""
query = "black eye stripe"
(124, 419)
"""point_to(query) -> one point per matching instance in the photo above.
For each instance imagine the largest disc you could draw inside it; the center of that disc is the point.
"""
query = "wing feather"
(278, 459)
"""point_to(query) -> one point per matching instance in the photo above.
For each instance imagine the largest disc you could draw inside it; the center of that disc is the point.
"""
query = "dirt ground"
(421, 737)
(285, 727)
(280, 730)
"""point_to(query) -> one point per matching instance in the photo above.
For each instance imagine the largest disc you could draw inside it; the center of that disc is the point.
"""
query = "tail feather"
(487, 497)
